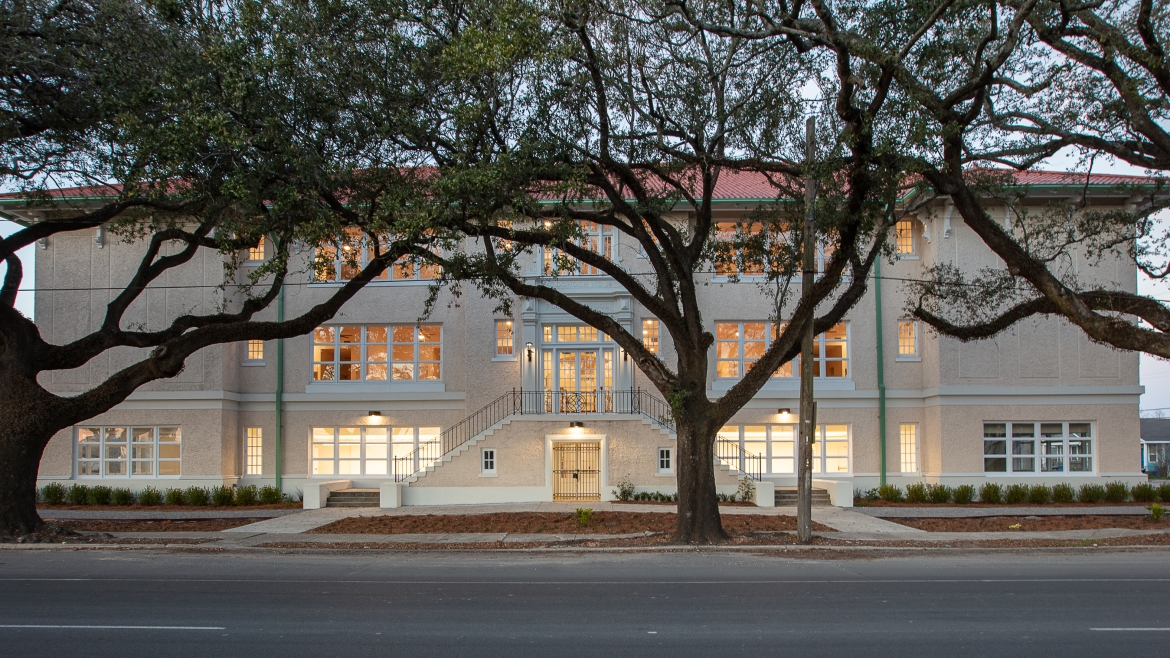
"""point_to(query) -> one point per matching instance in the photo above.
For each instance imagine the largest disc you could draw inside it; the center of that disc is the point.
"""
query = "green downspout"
(279, 387)
(881, 366)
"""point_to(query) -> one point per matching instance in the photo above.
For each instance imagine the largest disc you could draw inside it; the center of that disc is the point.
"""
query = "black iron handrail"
(521, 402)
(733, 454)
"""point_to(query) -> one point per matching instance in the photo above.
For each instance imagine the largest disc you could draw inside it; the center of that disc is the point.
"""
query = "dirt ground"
(672, 504)
(858, 502)
(1032, 523)
(151, 525)
(611, 523)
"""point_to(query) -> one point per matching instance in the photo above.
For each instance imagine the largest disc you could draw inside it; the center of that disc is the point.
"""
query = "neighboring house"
(1155, 446)
(473, 406)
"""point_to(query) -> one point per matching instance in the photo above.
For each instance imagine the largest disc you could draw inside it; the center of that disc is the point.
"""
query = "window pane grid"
(120, 452)
(776, 445)
(255, 350)
(908, 437)
(504, 341)
(345, 259)
(650, 335)
(254, 458)
(738, 345)
(257, 253)
(907, 338)
(1052, 447)
(904, 232)
(371, 352)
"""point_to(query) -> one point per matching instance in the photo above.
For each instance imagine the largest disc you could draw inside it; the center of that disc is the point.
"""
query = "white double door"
(579, 380)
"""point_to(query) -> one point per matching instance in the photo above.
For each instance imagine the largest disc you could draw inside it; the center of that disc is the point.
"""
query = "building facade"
(469, 405)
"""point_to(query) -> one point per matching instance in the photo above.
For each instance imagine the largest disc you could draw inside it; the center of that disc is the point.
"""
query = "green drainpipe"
(881, 366)
(279, 386)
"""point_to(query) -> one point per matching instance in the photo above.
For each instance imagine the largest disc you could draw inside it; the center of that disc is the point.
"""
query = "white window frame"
(600, 239)
(368, 452)
(390, 366)
(908, 458)
(1047, 450)
(488, 467)
(785, 437)
(419, 272)
(129, 453)
(651, 335)
(510, 354)
(792, 368)
(915, 337)
(824, 251)
(912, 252)
(666, 461)
(253, 451)
(249, 358)
(256, 254)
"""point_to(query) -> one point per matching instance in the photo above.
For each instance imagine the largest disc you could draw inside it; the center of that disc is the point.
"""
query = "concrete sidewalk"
(933, 512)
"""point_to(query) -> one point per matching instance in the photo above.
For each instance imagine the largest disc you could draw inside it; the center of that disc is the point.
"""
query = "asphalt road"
(156, 604)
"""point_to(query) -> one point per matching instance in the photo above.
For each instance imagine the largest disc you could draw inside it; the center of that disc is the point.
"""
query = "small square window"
(255, 350)
(488, 461)
(665, 465)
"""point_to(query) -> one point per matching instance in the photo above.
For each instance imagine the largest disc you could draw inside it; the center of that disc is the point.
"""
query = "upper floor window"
(595, 237)
(120, 452)
(747, 249)
(257, 253)
(650, 335)
(255, 350)
(907, 339)
(1055, 447)
(345, 259)
(738, 345)
(371, 352)
(572, 333)
(904, 237)
(504, 339)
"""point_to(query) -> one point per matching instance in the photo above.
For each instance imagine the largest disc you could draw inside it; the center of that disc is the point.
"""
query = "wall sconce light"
(576, 423)
(528, 348)
(625, 355)
(785, 412)
(376, 414)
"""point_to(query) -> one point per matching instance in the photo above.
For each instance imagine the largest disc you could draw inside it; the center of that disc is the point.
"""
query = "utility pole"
(808, 409)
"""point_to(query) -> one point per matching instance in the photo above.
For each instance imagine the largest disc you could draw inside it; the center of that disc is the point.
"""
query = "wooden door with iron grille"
(577, 471)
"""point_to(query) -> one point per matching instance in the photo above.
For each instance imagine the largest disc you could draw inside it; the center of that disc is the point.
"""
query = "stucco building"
(472, 406)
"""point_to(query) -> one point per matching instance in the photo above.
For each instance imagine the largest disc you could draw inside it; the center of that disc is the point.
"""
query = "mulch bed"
(858, 502)
(674, 504)
(151, 525)
(1032, 523)
(165, 508)
(610, 523)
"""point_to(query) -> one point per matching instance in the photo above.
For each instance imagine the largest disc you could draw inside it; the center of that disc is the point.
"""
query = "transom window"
(572, 333)
(134, 452)
(597, 238)
(738, 345)
(1053, 447)
(777, 445)
(372, 352)
(650, 335)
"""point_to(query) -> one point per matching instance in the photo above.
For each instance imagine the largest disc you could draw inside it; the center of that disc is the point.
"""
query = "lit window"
(255, 350)
(350, 451)
(738, 345)
(1063, 447)
(346, 258)
(257, 253)
(751, 249)
(595, 237)
(908, 434)
(650, 335)
(254, 459)
(904, 237)
(908, 338)
(573, 333)
(664, 465)
(488, 461)
(776, 444)
(504, 340)
(363, 352)
(120, 452)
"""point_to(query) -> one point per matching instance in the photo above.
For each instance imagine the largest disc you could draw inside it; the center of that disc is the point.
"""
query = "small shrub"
(1063, 493)
(890, 493)
(121, 496)
(916, 493)
(964, 494)
(1156, 511)
(991, 493)
(1017, 493)
(196, 496)
(100, 495)
(1163, 491)
(625, 489)
(297, 496)
(583, 515)
(77, 494)
(53, 493)
(222, 496)
(1143, 493)
(1040, 494)
(1116, 492)
(746, 491)
(247, 495)
(939, 493)
(149, 497)
(174, 496)
(270, 495)
(872, 494)
(1091, 493)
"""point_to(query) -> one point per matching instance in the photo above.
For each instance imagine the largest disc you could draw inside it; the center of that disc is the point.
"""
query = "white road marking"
(148, 628)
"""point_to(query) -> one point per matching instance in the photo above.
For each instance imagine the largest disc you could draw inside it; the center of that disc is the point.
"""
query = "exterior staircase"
(786, 497)
(354, 498)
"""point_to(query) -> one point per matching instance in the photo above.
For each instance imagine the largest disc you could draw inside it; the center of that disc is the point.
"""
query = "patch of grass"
(196, 496)
(222, 496)
(100, 495)
(149, 497)
(964, 494)
(939, 493)
(916, 493)
(1063, 493)
(1017, 493)
(1091, 493)
(247, 495)
(122, 496)
(991, 493)
(1143, 493)
(1039, 494)
(270, 495)
(77, 494)
(890, 493)
(53, 493)
(173, 496)
(1116, 492)
(583, 515)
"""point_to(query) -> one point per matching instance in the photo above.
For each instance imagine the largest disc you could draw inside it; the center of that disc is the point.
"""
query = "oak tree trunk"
(698, 506)
(25, 430)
